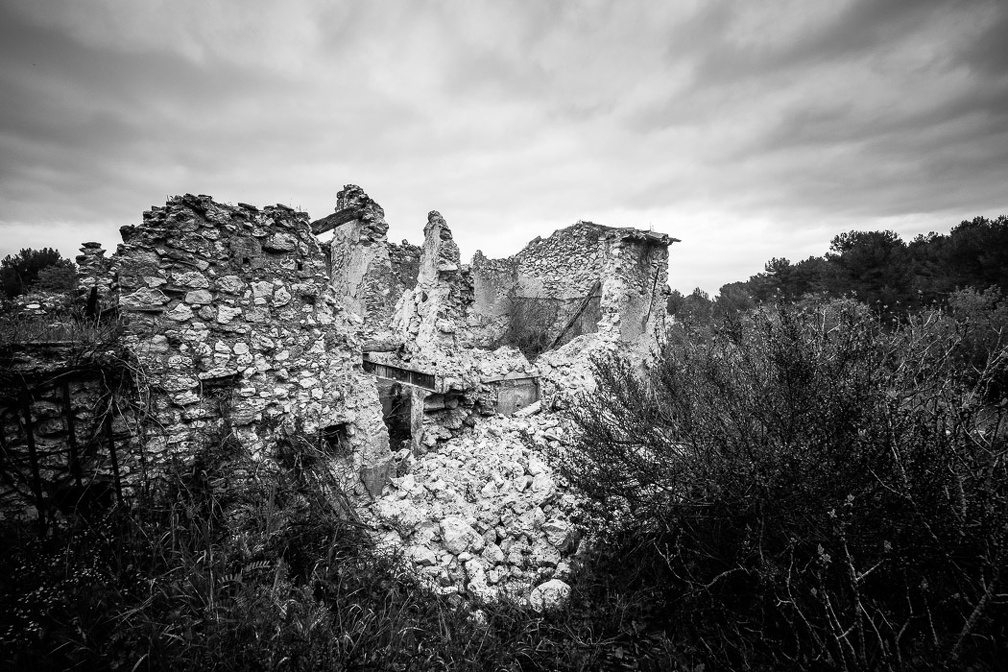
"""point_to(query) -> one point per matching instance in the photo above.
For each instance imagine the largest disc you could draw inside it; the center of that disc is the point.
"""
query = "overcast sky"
(747, 129)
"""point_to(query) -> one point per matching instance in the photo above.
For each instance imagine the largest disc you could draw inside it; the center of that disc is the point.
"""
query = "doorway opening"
(397, 412)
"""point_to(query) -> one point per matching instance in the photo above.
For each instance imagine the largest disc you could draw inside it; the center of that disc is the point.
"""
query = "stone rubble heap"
(483, 515)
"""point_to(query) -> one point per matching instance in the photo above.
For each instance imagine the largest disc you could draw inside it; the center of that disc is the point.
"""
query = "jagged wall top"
(440, 252)
(234, 302)
(352, 203)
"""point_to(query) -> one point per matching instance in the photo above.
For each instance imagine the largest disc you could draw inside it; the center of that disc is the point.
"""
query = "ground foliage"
(807, 487)
(234, 563)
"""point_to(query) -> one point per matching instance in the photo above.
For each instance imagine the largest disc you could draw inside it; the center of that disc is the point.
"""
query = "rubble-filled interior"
(398, 361)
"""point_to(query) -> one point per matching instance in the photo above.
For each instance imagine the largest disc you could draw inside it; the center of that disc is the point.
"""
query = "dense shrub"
(42, 269)
(803, 488)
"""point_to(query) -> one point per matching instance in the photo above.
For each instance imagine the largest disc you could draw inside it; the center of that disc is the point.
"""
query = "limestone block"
(549, 596)
(530, 522)
(262, 290)
(227, 313)
(143, 299)
(544, 555)
(493, 554)
(157, 345)
(198, 297)
(281, 297)
(281, 242)
(557, 532)
(231, 284)
(457, 534)
(217, 373)
(178, 383)
(191, 280)
(423, 556)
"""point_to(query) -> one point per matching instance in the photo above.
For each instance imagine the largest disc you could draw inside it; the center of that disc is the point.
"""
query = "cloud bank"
(748, 130)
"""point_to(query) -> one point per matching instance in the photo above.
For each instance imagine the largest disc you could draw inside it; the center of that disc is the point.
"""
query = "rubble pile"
(566, 372)
(483, 515)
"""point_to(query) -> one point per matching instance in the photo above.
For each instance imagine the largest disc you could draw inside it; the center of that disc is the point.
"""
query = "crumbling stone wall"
(368, 272)
(61, 426)
(634, 286)
(359, 265)
(405, 262)
(94, 271)
(231, 315)
(430, 314)
(600, 279)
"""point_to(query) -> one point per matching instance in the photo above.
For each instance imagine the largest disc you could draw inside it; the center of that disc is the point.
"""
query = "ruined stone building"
(610, 281)
(437, 324)
(238, 319)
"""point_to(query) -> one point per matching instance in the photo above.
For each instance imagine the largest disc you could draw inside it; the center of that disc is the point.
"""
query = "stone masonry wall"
(65, 399)
(94, 271)
(430, 314)
(360, 268)
(631, 266)
(405, 261)
(368, 272)
(230, 312)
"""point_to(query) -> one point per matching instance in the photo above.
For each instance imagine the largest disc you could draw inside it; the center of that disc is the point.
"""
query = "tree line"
(43, 270)
(875, 267)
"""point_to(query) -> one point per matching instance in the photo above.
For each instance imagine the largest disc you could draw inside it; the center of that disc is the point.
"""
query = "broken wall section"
(231, 315)
(367, 272)
(593, 278)
(405, 261)
(430, 315)
(94, 273)
(62, 426)
(359, 266)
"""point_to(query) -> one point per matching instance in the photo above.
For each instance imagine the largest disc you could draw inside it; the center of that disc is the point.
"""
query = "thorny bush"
(803, 488)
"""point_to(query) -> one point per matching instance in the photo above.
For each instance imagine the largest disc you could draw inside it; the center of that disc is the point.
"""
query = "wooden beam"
(577, 313)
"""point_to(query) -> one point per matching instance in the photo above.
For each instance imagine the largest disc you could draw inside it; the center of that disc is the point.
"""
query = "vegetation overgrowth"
(805, 487)
(44, 270)
(229, 564)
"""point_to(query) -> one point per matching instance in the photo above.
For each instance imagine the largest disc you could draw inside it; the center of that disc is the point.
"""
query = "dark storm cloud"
(749, 130)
